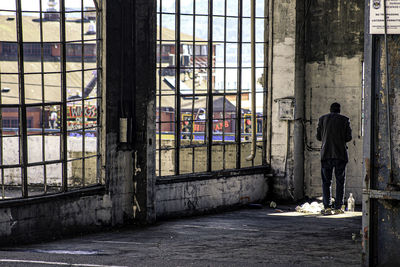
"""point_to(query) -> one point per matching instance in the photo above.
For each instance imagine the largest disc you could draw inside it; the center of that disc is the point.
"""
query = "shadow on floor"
(246, 237)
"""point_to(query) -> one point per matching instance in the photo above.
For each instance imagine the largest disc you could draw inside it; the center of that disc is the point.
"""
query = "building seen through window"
(204, 85)
(50, 94)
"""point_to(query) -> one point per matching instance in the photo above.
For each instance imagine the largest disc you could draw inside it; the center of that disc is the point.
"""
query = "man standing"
(334, 131)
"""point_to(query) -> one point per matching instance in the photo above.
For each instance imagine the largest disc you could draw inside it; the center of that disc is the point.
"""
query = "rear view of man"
(334, 131)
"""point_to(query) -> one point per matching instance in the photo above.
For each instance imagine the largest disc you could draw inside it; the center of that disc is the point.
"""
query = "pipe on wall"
(270, 68)
(253, 82)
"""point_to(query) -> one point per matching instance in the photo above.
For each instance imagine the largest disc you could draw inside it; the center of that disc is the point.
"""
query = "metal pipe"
(388, 122)
(265, 86)
(270, 70)
(253, 82)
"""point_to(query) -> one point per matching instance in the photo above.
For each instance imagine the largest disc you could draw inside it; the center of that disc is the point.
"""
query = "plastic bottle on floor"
(350, 203)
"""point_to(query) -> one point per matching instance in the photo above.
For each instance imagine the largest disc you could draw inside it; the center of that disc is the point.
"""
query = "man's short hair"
(335, 107)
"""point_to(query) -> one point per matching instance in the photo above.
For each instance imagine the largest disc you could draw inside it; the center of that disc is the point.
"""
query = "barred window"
(50, 73)
(209, 61)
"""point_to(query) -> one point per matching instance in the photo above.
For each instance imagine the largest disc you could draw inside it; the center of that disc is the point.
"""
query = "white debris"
(314, 207)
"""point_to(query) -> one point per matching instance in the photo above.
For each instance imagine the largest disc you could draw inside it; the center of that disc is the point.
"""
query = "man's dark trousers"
(327, 167)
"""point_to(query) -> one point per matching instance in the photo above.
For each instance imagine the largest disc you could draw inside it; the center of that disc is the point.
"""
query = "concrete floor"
(246, 237)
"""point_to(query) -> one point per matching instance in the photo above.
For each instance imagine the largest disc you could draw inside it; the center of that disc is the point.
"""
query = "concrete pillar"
(130, 94)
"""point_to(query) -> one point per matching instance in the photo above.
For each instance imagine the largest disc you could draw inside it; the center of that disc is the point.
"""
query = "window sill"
(212, 175)
(87, 191)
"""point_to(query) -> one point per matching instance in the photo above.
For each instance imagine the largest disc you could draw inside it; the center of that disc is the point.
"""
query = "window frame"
(198, 51)
(25, 121)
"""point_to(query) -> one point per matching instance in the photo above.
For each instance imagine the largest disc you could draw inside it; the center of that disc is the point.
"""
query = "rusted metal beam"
(383, 194)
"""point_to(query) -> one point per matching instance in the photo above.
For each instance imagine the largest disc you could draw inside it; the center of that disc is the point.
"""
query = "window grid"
(26, 129)
(172, 117)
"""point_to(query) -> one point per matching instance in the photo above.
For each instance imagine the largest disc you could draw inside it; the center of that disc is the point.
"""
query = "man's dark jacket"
(334, 131)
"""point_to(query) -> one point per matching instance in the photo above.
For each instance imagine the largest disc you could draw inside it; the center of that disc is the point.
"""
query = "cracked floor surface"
(246, 237)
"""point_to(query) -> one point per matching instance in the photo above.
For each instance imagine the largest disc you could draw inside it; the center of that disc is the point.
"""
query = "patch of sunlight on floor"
(317, 215)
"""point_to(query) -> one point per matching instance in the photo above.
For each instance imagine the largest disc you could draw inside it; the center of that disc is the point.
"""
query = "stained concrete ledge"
(196, 197)
(247, 237)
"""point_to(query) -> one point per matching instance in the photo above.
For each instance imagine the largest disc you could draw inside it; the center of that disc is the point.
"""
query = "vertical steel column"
(265, 90)
(64, 145)
(210, 109)
(23, 153)
(238, 128)
(381, 192)
(177, 85)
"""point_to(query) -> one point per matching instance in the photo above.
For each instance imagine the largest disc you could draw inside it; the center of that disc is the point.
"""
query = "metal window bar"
(43, 96)
(177, 85)
(99, 47)
(63, 136)
(238, 128)
(82, 93)
(3, 195)
(23, 139)
(193, 85)
(224, 96)
(210, 88)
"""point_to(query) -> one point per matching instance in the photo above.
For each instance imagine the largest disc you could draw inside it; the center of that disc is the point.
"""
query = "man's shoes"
(327, 211)
(338, 211)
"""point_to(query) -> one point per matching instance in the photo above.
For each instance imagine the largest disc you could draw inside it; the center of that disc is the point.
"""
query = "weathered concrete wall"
(283, 85)
(196, 197)
(54, 217)
(316, 59)
(333, 73)
(334, 81)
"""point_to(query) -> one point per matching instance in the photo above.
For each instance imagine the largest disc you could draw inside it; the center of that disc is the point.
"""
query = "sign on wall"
(376, 18)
